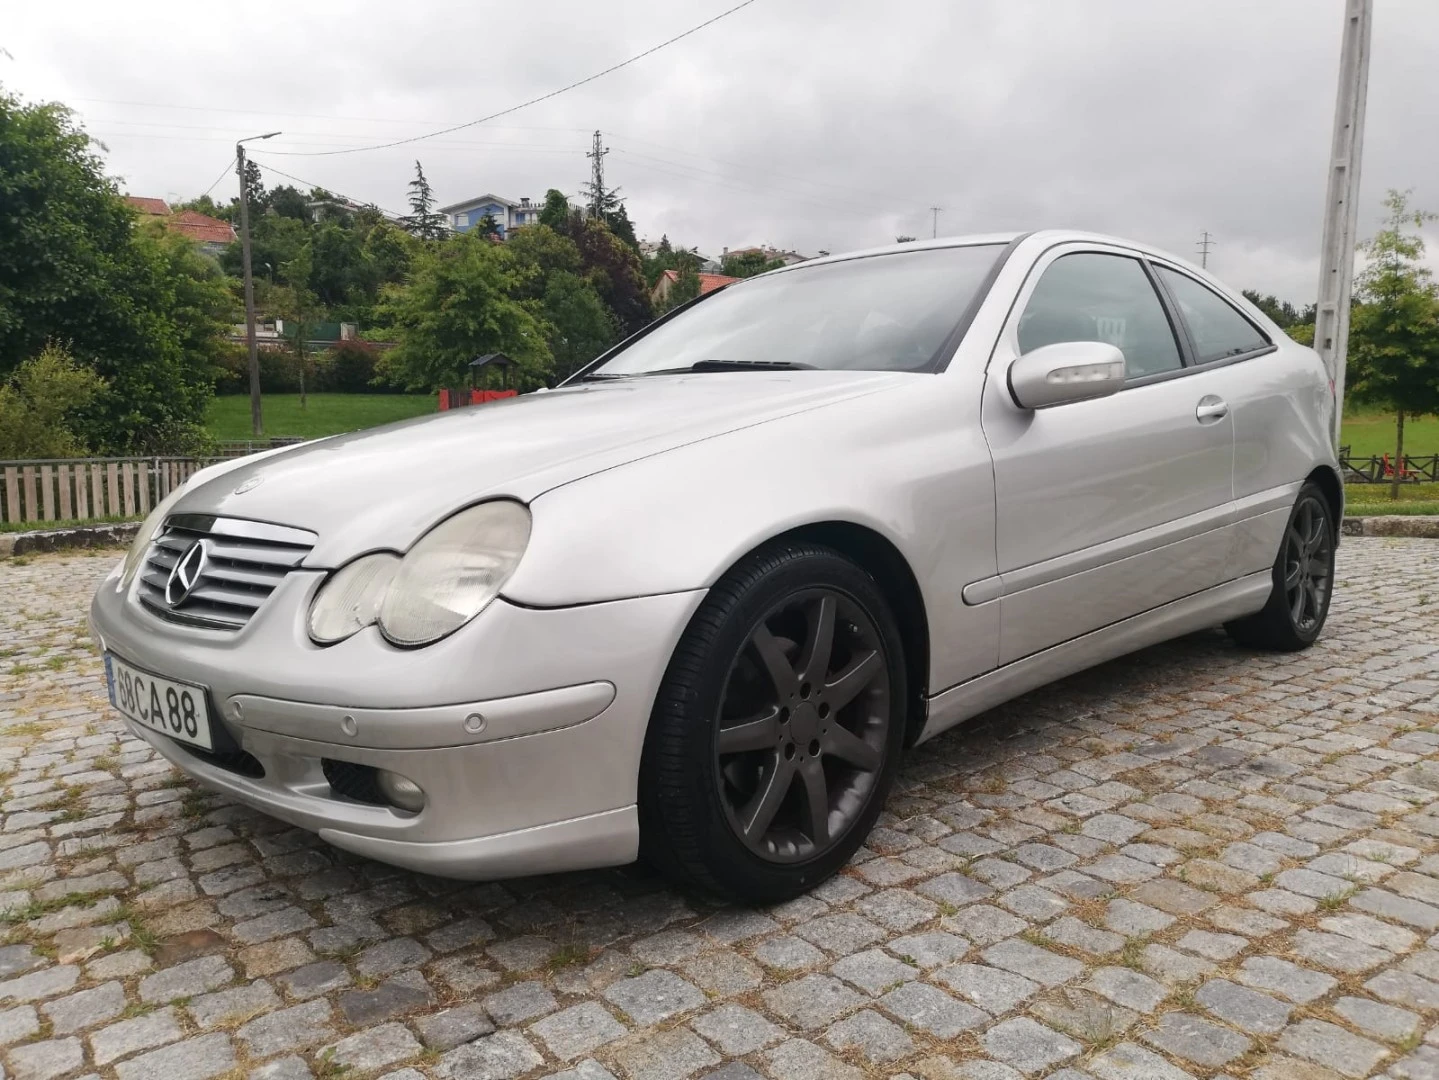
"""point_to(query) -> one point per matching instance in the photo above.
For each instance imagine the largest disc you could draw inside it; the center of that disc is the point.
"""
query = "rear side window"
(1217, 328)
(1093, 297)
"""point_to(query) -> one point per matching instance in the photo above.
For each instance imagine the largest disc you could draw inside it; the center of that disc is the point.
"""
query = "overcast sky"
(806, 124)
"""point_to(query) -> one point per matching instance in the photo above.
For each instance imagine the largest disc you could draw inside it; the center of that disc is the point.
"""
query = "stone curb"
(1393, 525)
(113, 534)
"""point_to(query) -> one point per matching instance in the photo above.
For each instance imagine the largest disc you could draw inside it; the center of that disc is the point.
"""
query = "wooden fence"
(1379, 468)
(88, 489)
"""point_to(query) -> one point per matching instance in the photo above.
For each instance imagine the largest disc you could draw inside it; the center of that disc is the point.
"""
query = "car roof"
(1043, 238)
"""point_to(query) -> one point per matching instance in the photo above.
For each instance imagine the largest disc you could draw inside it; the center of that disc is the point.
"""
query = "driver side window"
(1093, 297)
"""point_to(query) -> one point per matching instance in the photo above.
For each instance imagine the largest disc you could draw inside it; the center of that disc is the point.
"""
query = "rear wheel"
(776, 733)
(1303, 581)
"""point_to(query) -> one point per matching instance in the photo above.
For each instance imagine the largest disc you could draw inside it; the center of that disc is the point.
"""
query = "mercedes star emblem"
(186, 574)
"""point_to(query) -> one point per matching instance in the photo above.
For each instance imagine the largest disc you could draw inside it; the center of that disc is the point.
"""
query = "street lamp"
(256, 423)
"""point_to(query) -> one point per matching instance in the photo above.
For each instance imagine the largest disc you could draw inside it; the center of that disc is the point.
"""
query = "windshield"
(881, 313)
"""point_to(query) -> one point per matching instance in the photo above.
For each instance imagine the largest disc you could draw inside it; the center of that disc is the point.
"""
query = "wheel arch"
(877, 556)
(1327, 481)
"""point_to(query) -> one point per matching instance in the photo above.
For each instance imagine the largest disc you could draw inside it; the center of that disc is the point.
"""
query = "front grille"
(241, 563)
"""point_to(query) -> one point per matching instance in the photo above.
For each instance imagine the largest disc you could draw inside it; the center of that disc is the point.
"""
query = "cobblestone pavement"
(1195, 862)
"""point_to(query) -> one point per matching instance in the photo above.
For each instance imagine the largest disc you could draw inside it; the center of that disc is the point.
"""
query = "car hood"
(381, 488)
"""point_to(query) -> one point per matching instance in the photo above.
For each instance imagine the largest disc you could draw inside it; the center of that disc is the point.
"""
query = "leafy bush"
(41, 401)
(134, 304)
(348, 368)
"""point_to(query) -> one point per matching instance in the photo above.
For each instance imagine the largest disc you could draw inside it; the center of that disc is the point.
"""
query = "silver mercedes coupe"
(694, 604)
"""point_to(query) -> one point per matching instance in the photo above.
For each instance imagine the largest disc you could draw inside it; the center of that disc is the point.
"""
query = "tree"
(685, 289)
(458, 304)
(389, 251)
(619, 222)
(904, 239)
(543, 252)
(340, 273)
(300, 308)
(488, 226)
(40, 403)
(749, 263)
(1394, 326)
(1281, 311)
(254, 188)
(613, 268)
(289, 202)
(274, 241)
(580, 326)
(423, 221)
(207, 206)
(137, 305)
(556, 211)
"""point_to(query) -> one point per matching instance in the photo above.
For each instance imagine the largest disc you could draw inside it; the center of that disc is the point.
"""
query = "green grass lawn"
(325, 414)
(1367, 433)
(1368, 500)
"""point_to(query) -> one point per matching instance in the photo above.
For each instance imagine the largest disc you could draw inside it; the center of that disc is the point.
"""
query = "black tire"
(1303, 580)
(694, 793)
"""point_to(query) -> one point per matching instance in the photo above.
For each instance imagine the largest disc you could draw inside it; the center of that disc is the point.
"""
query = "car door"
(1108, 507)
(1277, 397)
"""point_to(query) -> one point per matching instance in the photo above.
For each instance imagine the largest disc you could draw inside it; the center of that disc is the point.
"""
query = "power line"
(294, 116)
(487, 146)
(216, 130)
(332, 191)
(750, 169)
(223, 173)
(733, 183)
(935, 211)
(536, 100)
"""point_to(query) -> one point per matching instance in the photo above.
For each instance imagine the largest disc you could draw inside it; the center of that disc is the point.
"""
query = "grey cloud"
(803, 123)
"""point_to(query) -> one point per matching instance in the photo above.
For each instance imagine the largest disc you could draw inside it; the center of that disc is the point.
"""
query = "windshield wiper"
(702, 366)
(750, 365)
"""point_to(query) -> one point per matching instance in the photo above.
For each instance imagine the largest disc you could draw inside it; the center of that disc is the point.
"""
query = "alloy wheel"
(803, 726)
(1308, 565)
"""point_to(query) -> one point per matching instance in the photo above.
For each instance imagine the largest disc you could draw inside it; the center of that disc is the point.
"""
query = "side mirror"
(1065, 371)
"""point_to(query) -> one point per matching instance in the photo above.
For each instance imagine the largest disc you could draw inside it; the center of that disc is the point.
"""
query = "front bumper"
(531, 767)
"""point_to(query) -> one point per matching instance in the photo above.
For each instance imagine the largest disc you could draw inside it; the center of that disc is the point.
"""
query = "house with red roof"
(209, 234)
(660, 294)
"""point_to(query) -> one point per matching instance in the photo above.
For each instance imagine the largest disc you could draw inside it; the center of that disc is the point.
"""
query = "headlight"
(445, 580)
(454, 570)
(350, 601)
(136, 555)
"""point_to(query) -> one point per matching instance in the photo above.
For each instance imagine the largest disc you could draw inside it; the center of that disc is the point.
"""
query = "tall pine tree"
(422, 220)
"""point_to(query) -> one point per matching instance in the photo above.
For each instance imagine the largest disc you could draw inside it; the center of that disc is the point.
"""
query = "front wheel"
(777, 731)
(1303, 581)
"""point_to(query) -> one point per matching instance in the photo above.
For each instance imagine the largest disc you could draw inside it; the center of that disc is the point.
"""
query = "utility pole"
(256, 422)
(1341, 201)
(597, 176)
(935, 211)
(1205, 243)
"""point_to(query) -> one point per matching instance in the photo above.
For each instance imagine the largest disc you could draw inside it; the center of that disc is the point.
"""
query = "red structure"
(479, 368)
(455, 399)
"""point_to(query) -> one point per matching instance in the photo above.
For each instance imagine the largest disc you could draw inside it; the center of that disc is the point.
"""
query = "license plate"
(172, 708)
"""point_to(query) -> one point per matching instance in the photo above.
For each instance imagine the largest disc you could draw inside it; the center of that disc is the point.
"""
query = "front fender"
(902, 464)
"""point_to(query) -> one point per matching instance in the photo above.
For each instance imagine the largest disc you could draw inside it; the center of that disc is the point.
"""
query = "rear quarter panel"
(1283, 414)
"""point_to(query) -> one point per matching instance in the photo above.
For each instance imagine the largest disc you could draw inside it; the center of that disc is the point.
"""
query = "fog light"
(404, 793)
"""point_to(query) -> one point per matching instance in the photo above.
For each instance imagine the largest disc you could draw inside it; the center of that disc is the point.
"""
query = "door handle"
(1210, 409)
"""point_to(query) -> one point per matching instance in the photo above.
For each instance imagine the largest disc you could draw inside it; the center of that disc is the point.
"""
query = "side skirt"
(1219, 604)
